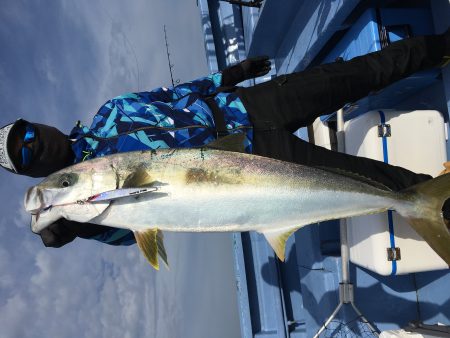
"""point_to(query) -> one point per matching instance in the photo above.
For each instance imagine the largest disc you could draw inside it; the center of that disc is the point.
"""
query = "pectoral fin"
(277, 240)
(139, 178)
(151, 244)
(161, 249)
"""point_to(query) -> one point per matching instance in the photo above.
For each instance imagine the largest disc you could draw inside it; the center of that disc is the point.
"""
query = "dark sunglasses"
(29, 137)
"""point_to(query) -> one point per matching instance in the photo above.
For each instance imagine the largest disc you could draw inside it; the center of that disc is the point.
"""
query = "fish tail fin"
(426, 216)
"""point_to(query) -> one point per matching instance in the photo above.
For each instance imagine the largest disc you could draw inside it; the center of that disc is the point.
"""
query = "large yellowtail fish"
(214, 190)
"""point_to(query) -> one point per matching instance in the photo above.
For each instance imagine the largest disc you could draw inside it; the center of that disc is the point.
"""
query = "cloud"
(59, 63)
(86, 289)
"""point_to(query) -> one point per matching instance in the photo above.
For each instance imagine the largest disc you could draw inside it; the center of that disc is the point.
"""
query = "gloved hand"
(446, 59)
(247, 69)
(447, 41)
(63, 231)
(58, 234)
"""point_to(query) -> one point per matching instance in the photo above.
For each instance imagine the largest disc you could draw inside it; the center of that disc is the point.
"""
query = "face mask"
(50, 151)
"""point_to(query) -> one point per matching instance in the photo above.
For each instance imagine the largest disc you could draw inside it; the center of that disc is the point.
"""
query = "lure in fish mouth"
(215, 190)
(67, 195)
(37, 206)
(84, 195)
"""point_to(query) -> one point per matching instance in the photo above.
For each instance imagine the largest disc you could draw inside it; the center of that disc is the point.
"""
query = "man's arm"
(231, 76)
(63, 231)
(204, 85)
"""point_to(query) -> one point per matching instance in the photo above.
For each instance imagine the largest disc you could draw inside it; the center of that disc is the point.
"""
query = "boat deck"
(294, 298)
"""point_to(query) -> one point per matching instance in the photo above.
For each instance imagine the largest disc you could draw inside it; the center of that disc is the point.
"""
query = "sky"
(60, 61)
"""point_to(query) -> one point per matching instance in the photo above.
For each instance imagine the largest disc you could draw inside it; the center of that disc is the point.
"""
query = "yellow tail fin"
(427, 218)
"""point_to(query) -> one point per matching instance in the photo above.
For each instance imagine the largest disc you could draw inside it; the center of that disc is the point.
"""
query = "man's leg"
(282, 145)
(295, 100)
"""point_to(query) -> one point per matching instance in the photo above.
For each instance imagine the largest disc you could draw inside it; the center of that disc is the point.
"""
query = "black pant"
(279, 107)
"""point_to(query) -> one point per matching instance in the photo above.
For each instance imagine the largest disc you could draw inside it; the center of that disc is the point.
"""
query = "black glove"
(63, 231)
(447, 42)
(247, 69)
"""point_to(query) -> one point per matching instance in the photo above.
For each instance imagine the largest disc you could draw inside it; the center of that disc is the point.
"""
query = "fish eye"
(67, 180)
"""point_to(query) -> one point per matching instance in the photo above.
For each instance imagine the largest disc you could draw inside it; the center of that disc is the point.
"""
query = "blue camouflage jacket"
(174, 117)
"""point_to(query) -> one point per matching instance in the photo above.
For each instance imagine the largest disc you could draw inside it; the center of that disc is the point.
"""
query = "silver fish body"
(204, 190)
(212, 190)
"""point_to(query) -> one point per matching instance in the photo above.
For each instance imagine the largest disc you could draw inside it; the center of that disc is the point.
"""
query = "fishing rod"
(252, 3)
(168, 59)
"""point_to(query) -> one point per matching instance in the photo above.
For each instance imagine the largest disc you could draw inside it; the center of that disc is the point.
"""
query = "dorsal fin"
(232, 142)
(356, 177)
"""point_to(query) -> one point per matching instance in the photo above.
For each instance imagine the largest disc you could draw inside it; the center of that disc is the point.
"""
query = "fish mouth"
(34, 201)
(40, 211)
(37, 213)
(39, 207)
(42, 218)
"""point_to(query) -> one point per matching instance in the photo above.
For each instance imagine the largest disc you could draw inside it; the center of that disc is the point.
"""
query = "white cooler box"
(415, 140)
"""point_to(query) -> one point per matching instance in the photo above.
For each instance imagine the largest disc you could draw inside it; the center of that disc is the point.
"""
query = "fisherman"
(195, 113)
